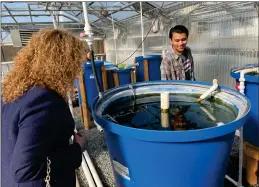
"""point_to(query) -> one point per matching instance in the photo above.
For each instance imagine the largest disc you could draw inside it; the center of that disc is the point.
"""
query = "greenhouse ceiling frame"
(103, 13)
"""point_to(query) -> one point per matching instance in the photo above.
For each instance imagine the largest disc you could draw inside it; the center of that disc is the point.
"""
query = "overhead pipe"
(142, 28)
(114, 40)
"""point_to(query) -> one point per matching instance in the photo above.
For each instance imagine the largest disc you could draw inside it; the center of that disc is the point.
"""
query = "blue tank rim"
(148, 57)
(123, 70)
(89, 64)
(248, 78)
(174, 136)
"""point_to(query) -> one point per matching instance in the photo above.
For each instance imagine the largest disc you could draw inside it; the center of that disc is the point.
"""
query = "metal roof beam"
(126, 6)
(30, 13)
(10, 14)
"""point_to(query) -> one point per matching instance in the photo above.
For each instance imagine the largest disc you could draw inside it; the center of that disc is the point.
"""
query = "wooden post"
(136, 69)
(146, 74)
(116, 79)
(86, 113)
(132, 76)
(104, 78)
(251, 162)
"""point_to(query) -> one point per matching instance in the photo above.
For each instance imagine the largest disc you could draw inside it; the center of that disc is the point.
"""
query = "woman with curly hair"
(36, 120)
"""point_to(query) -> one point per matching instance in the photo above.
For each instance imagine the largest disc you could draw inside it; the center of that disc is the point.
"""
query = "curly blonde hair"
(52, 59)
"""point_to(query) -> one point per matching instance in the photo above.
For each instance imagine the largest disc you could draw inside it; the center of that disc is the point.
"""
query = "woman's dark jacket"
(36, 126)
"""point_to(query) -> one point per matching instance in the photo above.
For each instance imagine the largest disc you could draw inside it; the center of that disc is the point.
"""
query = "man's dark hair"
(178, 29)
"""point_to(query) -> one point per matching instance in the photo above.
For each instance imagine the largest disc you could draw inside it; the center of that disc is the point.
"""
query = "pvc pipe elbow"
(213, 88)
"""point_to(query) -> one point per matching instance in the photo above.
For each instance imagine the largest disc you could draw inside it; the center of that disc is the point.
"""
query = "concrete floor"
(98, 152)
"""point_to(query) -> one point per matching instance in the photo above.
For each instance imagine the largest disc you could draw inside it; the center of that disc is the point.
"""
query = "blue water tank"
(251, 128)
(109, 67)
(154, 61)
(124, 75)
(150, 158)
(89, 81)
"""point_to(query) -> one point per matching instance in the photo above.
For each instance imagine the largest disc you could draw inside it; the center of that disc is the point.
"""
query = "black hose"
(99, 88)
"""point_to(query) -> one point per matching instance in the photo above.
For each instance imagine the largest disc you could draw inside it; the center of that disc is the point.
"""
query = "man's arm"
(192, 66)
(165, 69)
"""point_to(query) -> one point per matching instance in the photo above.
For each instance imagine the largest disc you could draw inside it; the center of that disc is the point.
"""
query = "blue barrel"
(154, 54)
(251, 129)
(149, 158)
(89, 81)
(154, 61)
(124, 75)
(109, 67)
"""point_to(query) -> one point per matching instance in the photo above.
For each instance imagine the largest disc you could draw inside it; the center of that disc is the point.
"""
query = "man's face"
(179, 41)
(88, 55)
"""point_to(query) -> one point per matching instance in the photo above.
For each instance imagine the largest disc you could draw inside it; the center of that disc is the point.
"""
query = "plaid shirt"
(177, 67)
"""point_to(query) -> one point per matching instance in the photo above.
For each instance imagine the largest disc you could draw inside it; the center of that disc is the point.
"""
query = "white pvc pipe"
(131, 65)
(70, 104)
(231, 180)
(212, 89)
(211, 116)
(87, 173)
(92, 169)
(85, 10)
(86, 157)
(142, 29)
(114, 40)
(164, 100)
(240, 162)
(98, 126)
(86, 168)
(165, 119)
(241, 86)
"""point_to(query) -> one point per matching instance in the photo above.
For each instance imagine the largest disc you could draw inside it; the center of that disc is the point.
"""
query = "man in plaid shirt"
(178, 63)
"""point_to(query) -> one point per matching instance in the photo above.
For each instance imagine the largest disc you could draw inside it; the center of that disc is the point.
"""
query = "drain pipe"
(165, 103)
(212, 89)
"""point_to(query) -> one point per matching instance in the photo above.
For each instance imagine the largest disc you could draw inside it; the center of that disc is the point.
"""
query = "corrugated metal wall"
(219, 41)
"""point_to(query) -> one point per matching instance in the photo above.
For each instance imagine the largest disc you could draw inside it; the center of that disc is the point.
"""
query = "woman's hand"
(81, 140)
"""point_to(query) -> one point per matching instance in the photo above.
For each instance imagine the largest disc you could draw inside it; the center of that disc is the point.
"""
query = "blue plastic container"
(109, 67)
(148, 158)
(154, 61)
(124, 75)
(251, 128)
(89, 81)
